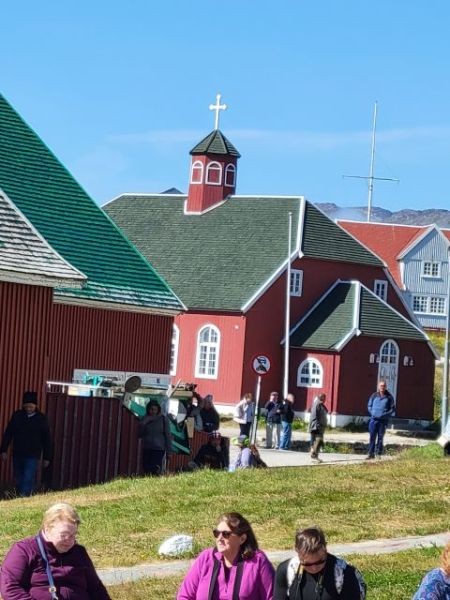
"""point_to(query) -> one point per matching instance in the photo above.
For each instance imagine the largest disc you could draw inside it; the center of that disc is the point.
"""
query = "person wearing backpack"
(315, 574)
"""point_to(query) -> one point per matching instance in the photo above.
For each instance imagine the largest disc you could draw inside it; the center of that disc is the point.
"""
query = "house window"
(296, 282)
(174, 349)
(380, 288)
(431, 268)
(197, 172)
(429, 304)
(310, 373)
(207, 362)
(230, 175)
(420, 304)
(437, 305)
(214, 173)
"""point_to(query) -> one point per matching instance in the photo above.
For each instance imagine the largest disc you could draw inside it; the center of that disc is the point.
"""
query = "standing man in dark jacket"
(274, 409)
(30, 436)
(381, 407)
(317, 424)
(287, 417)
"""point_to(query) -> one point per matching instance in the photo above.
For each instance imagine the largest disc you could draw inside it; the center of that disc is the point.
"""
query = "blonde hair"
(60, 512)
(445, 560)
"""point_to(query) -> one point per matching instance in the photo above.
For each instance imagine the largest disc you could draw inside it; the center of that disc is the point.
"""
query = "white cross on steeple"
(217, 107)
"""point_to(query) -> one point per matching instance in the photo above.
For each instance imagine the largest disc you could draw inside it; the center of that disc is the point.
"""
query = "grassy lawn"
(126, 520)
(388, 577)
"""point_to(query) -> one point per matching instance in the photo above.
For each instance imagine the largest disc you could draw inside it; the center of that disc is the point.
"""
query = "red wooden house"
(225, 256)
(74, 292)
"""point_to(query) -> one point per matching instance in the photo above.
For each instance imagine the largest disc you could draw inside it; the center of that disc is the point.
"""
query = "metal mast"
(371, 178)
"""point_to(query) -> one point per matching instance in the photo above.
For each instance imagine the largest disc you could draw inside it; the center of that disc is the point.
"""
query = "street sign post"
(261, 366)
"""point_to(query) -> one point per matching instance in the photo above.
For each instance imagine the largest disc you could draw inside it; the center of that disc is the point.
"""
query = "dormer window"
(197, 172)
(214, 173)
(230, 176)
(431, 268)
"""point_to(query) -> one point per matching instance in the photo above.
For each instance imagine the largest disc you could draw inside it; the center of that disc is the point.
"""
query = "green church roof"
(221, 259)
(348, 309)
(70, 221)
(215, 143)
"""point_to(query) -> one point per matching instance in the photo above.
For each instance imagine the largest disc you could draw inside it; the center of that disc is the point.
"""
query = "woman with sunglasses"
(314, 574)
(234, 570)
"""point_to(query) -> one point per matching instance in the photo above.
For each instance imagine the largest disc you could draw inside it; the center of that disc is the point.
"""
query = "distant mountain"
(438, 216)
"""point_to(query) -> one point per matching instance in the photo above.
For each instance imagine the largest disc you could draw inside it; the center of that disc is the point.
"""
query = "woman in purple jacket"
(24, 575)
(234, 570)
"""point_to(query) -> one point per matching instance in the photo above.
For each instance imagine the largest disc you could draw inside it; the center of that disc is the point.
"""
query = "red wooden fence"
(96, 440)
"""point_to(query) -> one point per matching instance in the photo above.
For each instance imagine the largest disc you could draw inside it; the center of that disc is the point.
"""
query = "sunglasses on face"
(313, 564)
(225, 534)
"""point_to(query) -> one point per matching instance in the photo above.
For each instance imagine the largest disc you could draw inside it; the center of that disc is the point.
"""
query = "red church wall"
(359, 378)
(91, 338)
(304, 396)
(226, 389)
(318, 276)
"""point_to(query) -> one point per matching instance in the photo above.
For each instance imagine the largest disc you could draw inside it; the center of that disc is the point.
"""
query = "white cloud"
(294, 139)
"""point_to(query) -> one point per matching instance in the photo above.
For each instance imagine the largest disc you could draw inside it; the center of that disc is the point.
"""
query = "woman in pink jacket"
(234, 570)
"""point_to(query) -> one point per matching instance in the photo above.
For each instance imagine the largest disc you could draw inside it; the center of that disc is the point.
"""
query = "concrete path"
(119, 575)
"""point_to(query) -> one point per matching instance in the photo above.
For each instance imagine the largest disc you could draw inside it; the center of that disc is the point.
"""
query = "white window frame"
(214, 166)
(230, 169)
(174, 345)
(380, 288)
(197, 166)
(430, 265)
(427, 304)
(296, 283)
(207, 350)
(439, 301)
(313, 370)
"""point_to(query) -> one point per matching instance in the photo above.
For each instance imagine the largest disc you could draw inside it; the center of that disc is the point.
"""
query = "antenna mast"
(371, 178)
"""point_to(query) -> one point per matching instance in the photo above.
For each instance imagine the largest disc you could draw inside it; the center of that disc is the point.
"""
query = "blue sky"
(120, 92)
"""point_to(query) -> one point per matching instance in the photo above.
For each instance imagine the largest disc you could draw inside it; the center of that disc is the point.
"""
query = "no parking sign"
(261, 364)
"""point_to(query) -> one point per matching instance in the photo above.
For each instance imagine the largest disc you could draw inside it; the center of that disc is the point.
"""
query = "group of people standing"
(279, 418)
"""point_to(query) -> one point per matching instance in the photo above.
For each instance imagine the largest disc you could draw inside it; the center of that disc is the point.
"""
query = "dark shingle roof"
(346, 308)
(215, 143)
(25, 255)
(323, 239)
(221, 258)
(47, 194)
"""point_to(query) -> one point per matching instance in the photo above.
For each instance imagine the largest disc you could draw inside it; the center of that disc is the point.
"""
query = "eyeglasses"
(314, 564)
(225, 534)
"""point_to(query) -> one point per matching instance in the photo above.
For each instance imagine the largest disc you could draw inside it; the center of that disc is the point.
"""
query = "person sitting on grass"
(245, 458)
(436, 583)
(70, 572)
(212, 455)
(234, 568)
(315, 574)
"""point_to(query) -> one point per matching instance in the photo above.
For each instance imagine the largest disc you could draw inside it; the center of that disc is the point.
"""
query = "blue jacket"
(381, 407)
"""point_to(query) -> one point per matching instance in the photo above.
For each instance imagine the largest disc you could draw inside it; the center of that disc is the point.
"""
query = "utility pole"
(371, 178)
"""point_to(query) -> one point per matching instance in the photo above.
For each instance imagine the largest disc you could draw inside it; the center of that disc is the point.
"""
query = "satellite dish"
(176, 410)
(132, 384)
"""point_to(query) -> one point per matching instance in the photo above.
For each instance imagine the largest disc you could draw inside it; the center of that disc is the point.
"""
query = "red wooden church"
(225, 256)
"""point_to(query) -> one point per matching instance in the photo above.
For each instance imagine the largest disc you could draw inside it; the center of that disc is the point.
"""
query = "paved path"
(121, 575)
(295, 458)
